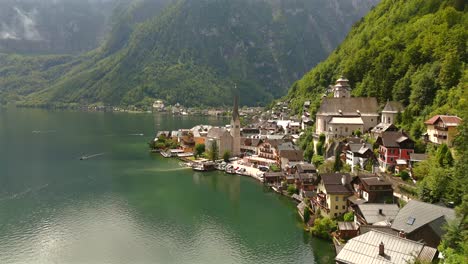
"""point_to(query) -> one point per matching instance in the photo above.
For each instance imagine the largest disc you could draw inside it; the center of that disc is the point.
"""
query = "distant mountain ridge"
(193, 52)
(54, 26)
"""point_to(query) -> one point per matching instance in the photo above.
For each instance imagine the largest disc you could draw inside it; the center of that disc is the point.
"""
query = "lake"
(126, 205)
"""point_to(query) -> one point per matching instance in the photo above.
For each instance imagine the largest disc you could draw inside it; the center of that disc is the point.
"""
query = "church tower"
(235, 127)
(342, 88)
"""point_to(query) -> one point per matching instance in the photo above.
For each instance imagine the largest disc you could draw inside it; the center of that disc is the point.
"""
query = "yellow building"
(442, 129)
(332, 194)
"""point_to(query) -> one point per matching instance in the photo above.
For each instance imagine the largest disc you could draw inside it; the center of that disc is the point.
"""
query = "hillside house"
(442, 129)
(394, 146)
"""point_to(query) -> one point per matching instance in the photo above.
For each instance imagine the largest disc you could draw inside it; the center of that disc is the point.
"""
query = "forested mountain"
(54, 26)
(412, 51)
(192, 52)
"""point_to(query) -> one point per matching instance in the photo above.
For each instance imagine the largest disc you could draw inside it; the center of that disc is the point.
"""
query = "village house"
(342, 115)
(289, 154)
(421, 221)
(372, 189)
(306, 177)
(380, 247)
(333, 191)
(200, 133)
(357, 152)
(394, 147)
(267, 154)
(375, 214)
(250, 145)
(442, 129)
(381, 128)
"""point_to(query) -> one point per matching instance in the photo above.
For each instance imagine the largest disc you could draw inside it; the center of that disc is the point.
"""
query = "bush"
(404, 175)
(226, 155)
(306, 215)
(275, 168)
(323, 227)
(348, 217)
(292, 189)
(199, 149)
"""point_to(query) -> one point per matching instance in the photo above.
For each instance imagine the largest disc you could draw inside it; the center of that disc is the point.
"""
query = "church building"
(342, 115)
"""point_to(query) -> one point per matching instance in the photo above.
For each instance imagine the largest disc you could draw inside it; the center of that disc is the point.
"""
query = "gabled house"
(289, 154)
(358, 153)
(393, 146)
(332, 193)
(423, 221)
(250, 145)
(372, 189)
(306, 178)
(442, 129)
(381, 248)
(381, 128)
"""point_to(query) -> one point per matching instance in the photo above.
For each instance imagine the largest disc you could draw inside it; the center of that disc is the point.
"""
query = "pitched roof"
(382, 127)
(349, 106)
(374, 181)
(393, 138)
(216, 132)
(393, 107)
(301, 167)
(418, 214)
(347, 226)
(446, 119)
(333, 184)
(346, 120)
(292, 155)
(365, 249)
(418, 156)
(371, 212)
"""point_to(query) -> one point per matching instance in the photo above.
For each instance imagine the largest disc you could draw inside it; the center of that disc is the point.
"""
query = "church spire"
(235, 110)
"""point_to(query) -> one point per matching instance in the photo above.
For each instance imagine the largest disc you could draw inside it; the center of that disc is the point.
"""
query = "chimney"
(343, 180)
(402, 234)
(380, 212)
(381, 249)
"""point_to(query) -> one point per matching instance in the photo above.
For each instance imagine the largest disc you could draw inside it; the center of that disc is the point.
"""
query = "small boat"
(186, 154)
(83, 158)
(166, 154)
(204, 166)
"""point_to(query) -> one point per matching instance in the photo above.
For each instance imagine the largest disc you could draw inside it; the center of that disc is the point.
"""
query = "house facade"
(372, 189)
(442, 129)
(394, 146)
(332, 193)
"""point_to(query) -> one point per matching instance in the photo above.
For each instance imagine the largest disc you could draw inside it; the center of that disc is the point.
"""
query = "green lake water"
(127, 205)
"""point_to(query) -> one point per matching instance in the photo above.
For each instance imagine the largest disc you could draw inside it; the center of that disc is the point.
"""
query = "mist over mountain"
(54, 26)
(189, 51)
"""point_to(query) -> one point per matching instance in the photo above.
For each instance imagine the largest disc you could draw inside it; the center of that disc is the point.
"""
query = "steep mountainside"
(54, 26)
(412, 51)
(195, 50)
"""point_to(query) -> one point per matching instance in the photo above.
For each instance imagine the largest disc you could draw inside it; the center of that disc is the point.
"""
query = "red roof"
(448, 120)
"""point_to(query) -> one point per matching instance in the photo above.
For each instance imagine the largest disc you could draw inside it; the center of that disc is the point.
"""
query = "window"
(344, 207)
(346, 129)
(336, 198)
(335, 215)
(336, 207)
(410, 220)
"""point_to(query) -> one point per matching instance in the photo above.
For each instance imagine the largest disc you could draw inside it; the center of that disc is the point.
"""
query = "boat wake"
(43, 131)
(23, 193)
(85, 157)
(136, 135)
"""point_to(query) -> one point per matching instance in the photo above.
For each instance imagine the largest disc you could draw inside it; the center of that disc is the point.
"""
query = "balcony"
(441, 128)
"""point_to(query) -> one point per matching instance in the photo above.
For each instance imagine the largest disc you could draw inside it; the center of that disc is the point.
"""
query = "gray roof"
(382, 127)
(393, 107)
(332, 183)
(347, 226)
(418, 156)
(371, 213)
(417, 214)
(216, 132)
(365, 249)
(349, 106)
(393, 139)
(287, 146)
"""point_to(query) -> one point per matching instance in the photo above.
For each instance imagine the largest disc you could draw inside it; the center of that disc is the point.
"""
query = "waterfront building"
(333, 191)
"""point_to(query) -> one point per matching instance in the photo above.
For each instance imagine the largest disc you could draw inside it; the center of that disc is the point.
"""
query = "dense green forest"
(409, 51)
(191, 52)
(414, 52)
